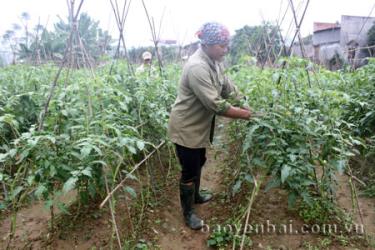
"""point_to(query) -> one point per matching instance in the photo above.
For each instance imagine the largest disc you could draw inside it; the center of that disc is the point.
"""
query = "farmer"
(202, 93)
(146, 65)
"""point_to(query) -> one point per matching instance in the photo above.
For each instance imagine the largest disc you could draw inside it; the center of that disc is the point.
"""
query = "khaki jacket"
(202, 93)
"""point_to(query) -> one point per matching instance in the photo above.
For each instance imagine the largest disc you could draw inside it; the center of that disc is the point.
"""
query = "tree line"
(261, 44)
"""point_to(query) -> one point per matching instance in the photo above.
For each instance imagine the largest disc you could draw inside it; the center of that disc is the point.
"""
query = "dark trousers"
(191, 160)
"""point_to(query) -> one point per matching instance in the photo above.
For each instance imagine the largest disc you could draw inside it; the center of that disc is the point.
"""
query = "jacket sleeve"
(203, 87)
(229, 89)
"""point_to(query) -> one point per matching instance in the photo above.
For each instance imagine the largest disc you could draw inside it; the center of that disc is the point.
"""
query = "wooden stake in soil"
(294, 37)
(354, 191)
(64, 60)
(113, 215)
(110, 194)
(252, 198)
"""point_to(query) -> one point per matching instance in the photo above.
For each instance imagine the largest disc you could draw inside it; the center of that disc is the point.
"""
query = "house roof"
(318, 26)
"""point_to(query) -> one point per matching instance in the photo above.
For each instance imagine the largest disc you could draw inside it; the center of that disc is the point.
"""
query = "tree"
(262, 42)
(39, 44)
(96, 42)
(11, 40)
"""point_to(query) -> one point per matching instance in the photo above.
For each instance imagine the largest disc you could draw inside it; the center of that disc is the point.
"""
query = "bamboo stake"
(113, 214)
(356, 179)
(54, 83)
(302, 47)
(155, 39)
(355, 193)
(129, 218)
(120, 22)
(110, 194)
(294, 37)
(252, 198)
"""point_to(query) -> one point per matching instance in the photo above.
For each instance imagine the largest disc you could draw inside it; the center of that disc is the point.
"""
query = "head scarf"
(213, 33)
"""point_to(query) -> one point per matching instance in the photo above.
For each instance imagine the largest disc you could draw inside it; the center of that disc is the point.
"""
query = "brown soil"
(172, 233)
(32, 225)
(366, 206)
(291, 232)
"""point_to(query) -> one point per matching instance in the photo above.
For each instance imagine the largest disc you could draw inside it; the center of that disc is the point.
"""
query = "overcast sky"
(182, 18)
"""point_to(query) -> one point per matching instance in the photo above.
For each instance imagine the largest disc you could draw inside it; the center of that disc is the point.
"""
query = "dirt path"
(175, 235)
(366, 205)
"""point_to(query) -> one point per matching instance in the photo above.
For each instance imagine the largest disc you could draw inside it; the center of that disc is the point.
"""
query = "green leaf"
(140, 145)
(92, 189)
(123, 141)
(237, 186)
(3, 157)
(51, 139)
(130, 191)
(63, 208)
(85, 151)
(75, 154)
(285, 171)
(273, 183)
(97, 150)
(40, 191)
(131, 149)
(349, 154)
(48, 204)
(211, 242)
(249, 178)
(292, 157)
(129, 175)
(356, 142)
(16, 191)
(70, 184)
(23, 155)
(12, 152)
(87, 172)
(100, 162)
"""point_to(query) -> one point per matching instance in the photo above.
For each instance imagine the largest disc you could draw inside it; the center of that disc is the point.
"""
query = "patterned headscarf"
(213, 33)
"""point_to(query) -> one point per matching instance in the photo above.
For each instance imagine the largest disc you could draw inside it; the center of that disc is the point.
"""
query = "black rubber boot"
(201, 196)
(187, 201)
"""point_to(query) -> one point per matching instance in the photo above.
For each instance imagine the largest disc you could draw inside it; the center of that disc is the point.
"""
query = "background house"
(336, 43)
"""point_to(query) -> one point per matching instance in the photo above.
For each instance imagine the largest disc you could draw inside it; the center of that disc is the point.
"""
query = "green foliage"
(95, 40)
(39, 44)
(141, 245)
(220, 239)
(95, 128)
(361, 109)
(304, 136)
(318, 211)
(262, 42)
